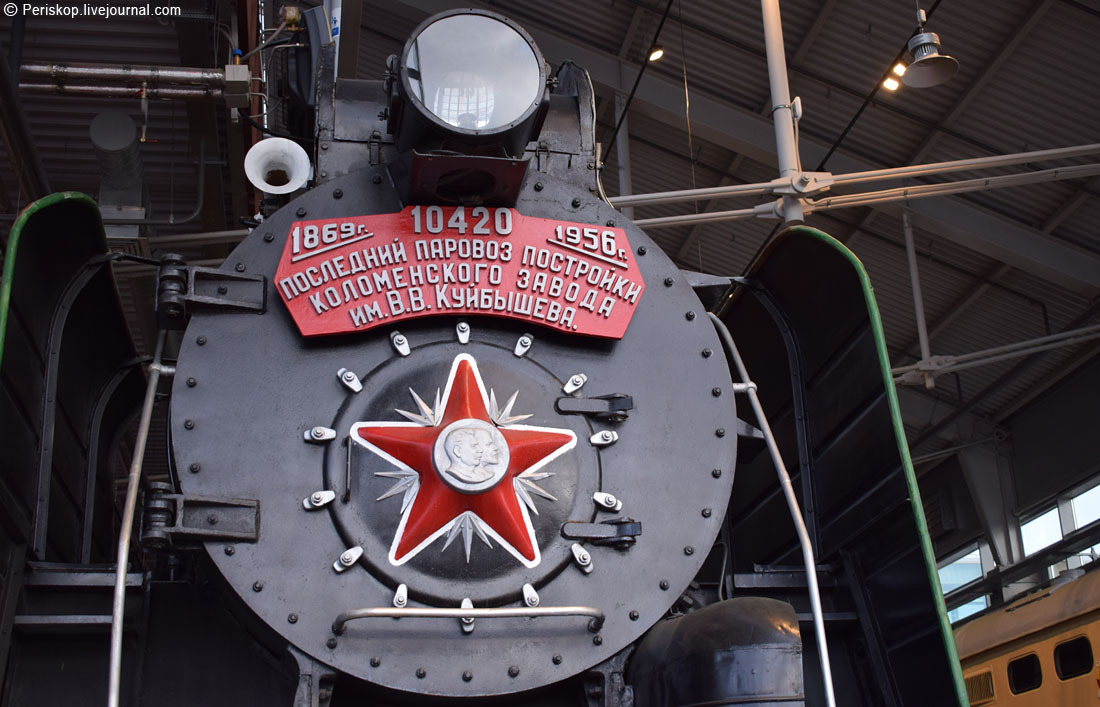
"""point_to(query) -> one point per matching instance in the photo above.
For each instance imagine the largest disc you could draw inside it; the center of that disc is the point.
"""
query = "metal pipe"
(119, 604)
(747, 386)
(460, 613)
(918, 302)
(931, 168)
(921, 170)
(151, 75)
(786, 148)
(687, 219)
(261, 27)
(924, 191)
(179, 93)
(703, 194)
(1002, 353)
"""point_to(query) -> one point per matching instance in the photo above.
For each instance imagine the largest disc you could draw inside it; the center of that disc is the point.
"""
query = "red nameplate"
(353, 274)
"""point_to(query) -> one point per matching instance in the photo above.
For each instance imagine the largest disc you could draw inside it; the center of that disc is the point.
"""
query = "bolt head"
(716, 391)
(597, 640)
(463, 326)
(346, 558)
(606, 435)
(556, 659)
(201, 341)
(293, 618)
(316, 497)
(584, 558)
(467, 676)
(212, 519)
(301, 211)
(576, 203)
(195, 467)
(538, 186)
(337, 193)
(634, 615)
(642, 250)
(707, 353)
(230, 550)
(716, 473)
(398, 339)
(331, 643)
(377, 179)
(191, 382)
(189, 424)
(689, 315)
(663, 585)
(239, 267)
(707, 512)
(524, 341)
(513, 671)
(421, 673)
(689, 550)
(349, 376)
(317, 433)
(257, 586)
(268, 237)
(400, 601)
(375, 661)
(720, 432)
(575, 380)
(669, 281)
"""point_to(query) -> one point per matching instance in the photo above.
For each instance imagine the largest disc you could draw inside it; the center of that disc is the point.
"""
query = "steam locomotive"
(445, 427)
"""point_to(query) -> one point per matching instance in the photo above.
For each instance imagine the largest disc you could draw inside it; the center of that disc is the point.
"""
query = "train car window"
(1024, 674)
(1073, 658)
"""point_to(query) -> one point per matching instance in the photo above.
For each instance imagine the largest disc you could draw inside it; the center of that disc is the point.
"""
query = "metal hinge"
(183, 288)
(615, 407)
(619, 533)
(171, 517)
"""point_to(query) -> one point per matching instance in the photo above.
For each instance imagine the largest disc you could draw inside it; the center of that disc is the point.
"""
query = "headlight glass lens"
(473, 72)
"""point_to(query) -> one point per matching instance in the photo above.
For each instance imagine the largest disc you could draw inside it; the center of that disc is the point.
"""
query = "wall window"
(1086, 506)
(956, 573)
(1024, 674)
(1073, 658)
(1041, 531)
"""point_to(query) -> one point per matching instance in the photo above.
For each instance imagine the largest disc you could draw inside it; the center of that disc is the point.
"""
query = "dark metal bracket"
(172, 517)
(615, 407)
(619, 533)
(182, 289)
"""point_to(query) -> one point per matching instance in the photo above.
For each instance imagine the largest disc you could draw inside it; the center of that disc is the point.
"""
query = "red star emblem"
(464, 467)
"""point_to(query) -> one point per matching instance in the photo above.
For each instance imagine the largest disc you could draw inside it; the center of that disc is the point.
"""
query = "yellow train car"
(1042, 650)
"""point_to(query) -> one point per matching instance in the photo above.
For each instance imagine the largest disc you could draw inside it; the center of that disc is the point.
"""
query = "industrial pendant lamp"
(929, 67)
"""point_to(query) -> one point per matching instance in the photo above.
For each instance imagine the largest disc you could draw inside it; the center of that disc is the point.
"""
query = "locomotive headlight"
(468, 81)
